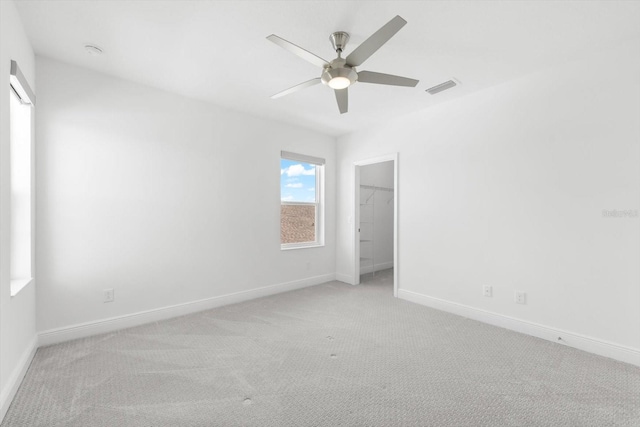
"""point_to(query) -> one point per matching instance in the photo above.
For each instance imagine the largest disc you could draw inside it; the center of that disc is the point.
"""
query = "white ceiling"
(217, 50)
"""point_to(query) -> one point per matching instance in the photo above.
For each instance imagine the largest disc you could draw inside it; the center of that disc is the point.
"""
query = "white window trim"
(19, 86)
(319, 223)
(18, 284)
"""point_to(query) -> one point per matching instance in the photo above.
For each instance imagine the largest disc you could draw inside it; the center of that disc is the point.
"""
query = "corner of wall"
(11, 386)
(581, 342)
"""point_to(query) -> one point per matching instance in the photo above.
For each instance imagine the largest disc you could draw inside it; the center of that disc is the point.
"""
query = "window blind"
(302, 158)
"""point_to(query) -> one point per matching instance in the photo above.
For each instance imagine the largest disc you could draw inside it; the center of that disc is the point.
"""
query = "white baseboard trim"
(67, 333)
(346, 278)
(8, 393)
(581, 342)
(377, 267)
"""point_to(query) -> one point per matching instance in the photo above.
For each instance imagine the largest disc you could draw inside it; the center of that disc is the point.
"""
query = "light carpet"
(328, 355)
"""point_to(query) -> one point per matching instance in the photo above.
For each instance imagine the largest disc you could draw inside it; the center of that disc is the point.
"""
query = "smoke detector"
(93, 50)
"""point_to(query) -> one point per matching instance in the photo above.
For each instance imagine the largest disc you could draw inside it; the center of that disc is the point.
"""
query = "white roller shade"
(20, 85)
(302, 158)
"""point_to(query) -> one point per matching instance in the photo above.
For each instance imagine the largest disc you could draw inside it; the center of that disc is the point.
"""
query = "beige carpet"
(329, 355)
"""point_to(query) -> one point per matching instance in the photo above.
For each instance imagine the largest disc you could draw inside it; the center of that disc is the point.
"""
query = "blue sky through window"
(297, 181)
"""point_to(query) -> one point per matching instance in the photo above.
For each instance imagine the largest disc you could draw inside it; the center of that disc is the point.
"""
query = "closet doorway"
(376, 226)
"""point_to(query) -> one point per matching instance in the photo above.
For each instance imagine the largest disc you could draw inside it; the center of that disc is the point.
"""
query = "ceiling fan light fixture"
(339, 83)
(339, 78)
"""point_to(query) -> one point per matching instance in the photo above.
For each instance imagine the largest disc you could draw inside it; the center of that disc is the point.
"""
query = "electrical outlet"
(108, 295)
(487, 291)
(520, 297)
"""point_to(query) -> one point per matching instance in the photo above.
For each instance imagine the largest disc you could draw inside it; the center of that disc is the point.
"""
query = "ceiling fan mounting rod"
(339, 40)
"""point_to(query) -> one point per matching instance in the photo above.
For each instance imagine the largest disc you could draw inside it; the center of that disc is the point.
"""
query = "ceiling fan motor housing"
(339, 73)
(338, 70)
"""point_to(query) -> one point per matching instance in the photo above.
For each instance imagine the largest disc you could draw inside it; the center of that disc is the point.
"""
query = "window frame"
(319, 164)
(21, 271)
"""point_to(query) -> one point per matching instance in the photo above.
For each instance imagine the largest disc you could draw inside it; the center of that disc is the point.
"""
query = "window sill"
(18, 284)
(302, 246)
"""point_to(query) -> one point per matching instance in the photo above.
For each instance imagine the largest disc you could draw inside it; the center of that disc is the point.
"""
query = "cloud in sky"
(297, 181)
(297, 170)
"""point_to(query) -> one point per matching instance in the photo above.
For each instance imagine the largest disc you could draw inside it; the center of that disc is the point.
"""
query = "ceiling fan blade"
(297, 88)
(375, 41)
(342, 96)
(385, 79)
(297, 50)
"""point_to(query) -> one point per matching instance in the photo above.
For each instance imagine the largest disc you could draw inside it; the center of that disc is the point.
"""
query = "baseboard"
(581, 342)
(377, 267)
(8, 393)
(345, 278)
(58, 335)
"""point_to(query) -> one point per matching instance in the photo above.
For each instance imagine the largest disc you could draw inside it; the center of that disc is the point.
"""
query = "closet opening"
(376, 206)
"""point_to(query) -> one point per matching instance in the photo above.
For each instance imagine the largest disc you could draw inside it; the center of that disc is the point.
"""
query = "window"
(301, 198)
(21, 101)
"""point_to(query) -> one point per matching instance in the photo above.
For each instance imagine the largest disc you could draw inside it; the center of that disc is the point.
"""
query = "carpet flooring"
(328, 355)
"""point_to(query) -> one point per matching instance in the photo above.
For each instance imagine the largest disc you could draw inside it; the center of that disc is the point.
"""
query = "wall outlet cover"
(108, 295)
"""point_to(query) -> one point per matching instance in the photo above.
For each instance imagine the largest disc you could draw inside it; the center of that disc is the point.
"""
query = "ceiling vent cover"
(442, 86)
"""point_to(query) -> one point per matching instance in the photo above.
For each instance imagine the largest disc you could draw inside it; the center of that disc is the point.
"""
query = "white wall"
(17, 313)
(506, 187)
(380, 209)
(377, 174)
(165, 199)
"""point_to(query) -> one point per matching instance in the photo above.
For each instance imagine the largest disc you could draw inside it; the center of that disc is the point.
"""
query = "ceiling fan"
(341, 73)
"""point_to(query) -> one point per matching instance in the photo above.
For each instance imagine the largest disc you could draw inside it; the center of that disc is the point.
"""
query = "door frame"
(356, 215)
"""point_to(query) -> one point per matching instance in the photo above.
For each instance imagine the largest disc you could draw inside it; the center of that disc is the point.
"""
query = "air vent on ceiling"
(442, 86)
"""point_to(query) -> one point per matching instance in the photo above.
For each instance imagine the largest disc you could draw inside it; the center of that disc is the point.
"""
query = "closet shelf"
(375, 187)
(367, 205)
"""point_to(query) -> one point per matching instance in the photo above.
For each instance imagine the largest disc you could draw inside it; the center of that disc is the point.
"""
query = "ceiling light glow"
(339, 78)
(339, 83)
